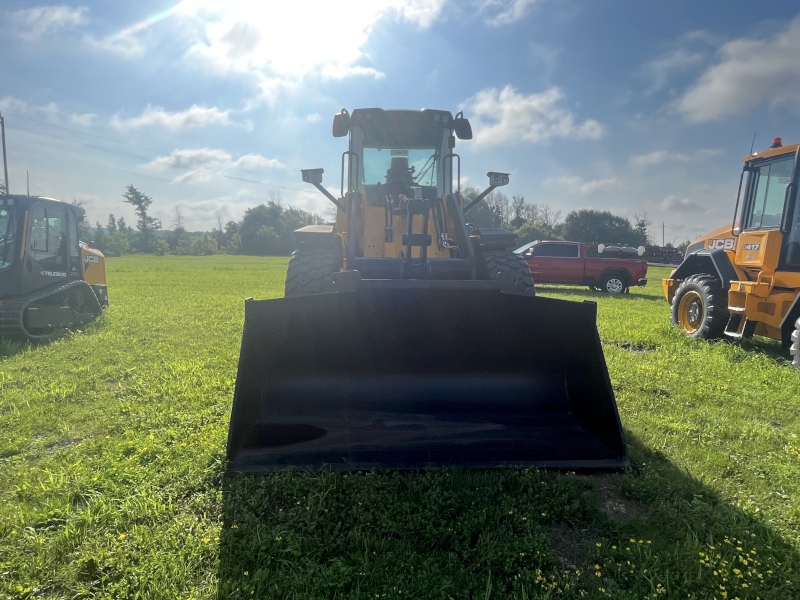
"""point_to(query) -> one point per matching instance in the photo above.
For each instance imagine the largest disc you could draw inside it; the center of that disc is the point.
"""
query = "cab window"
(557, 250)
(768, 187)
(6, 238)
(47, 237)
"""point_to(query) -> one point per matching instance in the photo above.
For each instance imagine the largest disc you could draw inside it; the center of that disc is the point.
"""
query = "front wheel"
(794, 348)
(310, 270)
(700, 307)
(493, 262)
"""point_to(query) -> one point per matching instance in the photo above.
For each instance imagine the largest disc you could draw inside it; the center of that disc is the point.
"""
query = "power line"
(160, 178)
(104, 149)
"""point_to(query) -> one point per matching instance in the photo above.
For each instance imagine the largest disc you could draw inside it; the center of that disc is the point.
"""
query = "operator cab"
(770, 207)
(38, 243)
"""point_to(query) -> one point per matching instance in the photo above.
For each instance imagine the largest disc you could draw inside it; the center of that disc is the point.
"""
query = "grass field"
(112, 478)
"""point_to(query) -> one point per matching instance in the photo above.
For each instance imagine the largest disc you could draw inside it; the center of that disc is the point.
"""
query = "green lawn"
(112, 479)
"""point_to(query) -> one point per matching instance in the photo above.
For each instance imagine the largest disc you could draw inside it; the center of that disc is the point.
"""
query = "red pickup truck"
(580, 264)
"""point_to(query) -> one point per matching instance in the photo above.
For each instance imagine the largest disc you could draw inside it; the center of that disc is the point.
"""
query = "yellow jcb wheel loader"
(408, 337)
(744, 279)
(50, 281)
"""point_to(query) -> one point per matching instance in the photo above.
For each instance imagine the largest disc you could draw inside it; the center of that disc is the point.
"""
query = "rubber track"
(794, 349)
(310, 269)
(493, 262)
(12, 311)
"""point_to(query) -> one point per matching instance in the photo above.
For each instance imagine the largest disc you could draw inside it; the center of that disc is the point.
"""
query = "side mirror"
(497, 179)
(462, 127)
(313, 176)
(341, 124)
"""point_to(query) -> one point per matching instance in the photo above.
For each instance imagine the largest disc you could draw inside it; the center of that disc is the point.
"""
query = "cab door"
(556, 262)
(47, 255)
(790, 255)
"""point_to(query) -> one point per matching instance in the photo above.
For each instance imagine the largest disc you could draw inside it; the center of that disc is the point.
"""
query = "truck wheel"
(700, 307)
(614, 283)
(310, 269)
(794, 349)
(494, 262)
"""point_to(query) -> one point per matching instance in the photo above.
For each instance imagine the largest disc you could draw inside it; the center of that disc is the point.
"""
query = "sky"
(214, 106)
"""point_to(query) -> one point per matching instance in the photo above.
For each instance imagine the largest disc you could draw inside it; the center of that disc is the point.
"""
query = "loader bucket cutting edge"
(407, 379)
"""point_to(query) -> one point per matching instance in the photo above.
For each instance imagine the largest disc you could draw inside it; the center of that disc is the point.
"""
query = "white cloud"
(125, 43)
(32, 24)
(280, 43)
(84, 119)
(661, 68)
(48, 112)
(656, 158)
(193, 117)
(506, 116)
(662, 156)
(576, 185)
(203, 164)
(504, 12)
(678, 204)
(749, 72)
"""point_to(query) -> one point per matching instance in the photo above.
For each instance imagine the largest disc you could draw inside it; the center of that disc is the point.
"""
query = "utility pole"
(5, 164)
(28, 178)
(663, 235)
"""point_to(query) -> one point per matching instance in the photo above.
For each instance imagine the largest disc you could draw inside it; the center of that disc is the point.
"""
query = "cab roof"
(791, 148)
(26, 201)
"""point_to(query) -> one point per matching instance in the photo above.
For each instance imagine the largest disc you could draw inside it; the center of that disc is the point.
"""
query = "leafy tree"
(147, 225)
(683, 246)
(123, 227)
(204, 246)
(642, 226)
(3, 190)
(112, 224)
(118, 244)
(99, 240)
(267, 229)
(593, 226)
(531, 231)
(482, 214)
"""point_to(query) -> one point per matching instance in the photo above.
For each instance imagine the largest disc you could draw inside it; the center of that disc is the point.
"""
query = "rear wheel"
(493, 262)
(700, 307)
(310, 270)
(614, 283)
(794, 349)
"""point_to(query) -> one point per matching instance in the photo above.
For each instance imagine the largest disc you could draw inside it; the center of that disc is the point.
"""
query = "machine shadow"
(586, 294)
(385, 529)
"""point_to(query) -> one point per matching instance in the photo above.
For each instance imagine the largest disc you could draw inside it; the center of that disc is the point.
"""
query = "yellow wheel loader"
(408, 337)
(50, 281)
(744, 279)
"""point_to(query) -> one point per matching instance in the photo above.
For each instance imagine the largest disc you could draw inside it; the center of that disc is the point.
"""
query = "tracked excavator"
(50, 281)
(743, 279)
(410, 338)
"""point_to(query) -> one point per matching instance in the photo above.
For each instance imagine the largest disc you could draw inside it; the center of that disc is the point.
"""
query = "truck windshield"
(419, 164)
(7, 242)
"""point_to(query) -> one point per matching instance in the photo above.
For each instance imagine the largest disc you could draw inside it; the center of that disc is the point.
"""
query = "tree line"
(267, 229)
(264, 230)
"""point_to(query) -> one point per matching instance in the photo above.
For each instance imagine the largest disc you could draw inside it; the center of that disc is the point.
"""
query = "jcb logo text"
(723, 244)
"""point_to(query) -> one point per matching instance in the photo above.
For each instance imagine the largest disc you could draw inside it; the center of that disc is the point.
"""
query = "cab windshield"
(420, 163)
(7, 242)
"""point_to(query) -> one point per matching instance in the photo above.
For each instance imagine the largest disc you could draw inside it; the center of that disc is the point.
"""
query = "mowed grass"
(113, 482)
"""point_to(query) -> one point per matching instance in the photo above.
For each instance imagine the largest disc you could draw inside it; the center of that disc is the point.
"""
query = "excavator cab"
(50, 281)
(407, 338)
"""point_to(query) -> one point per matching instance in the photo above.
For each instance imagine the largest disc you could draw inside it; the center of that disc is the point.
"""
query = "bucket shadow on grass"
(506, 533)
(546, 289)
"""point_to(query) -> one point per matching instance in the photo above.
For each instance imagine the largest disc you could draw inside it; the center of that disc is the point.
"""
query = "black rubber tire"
(713, 313)
(794, 348)
(614, 283)
(310, 269)
(497, 261)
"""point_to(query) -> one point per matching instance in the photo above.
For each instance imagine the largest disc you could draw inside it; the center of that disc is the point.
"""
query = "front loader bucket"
(411, 378)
